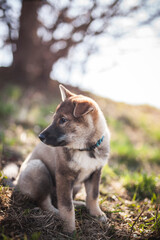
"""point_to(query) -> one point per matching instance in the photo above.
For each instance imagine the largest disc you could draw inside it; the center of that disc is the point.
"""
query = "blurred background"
(106, 49)
(109, 47)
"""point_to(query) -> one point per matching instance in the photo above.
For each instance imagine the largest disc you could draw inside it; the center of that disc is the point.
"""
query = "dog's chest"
(85, 165)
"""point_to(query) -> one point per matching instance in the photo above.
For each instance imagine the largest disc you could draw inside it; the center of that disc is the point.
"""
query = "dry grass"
(20, 218)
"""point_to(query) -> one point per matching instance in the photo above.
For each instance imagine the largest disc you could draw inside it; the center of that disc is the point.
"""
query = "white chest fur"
(85, 164)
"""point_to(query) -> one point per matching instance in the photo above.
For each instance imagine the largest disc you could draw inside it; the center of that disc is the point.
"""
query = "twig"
(105, 237)
(64, 235)
(136, 222)
(157, 212)
(16, 217)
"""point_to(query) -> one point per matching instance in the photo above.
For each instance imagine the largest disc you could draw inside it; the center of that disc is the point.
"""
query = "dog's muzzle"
(42, 137)
(52, 139)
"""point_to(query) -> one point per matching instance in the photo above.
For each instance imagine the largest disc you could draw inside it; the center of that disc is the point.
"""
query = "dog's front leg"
(65, 202)
(92, 193)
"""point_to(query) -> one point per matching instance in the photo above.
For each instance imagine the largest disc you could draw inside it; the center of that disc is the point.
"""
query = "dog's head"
(73, 122)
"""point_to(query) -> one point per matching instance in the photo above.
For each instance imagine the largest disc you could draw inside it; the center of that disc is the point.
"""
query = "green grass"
(134, 155)
(12, 92)
(156, 225)
(107, 174)
(6, 109)
(150, 127)
(140, 185)
(35, 235)
(8, 99)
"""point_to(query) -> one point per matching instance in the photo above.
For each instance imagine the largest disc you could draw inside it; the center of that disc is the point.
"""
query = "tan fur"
(54, 171)
(69, 225)
(92, 204)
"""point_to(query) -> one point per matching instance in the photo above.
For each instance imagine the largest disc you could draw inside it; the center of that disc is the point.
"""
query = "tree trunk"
(28, 60)
(31, 65)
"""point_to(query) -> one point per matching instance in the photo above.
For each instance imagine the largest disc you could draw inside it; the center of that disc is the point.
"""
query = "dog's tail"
(10, 173)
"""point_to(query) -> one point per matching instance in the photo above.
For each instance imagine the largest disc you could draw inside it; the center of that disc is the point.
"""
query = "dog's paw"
(103, 218)
(56, 212)
(69, 230)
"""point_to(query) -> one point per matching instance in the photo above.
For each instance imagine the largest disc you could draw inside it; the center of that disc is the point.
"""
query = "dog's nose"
(42, 137)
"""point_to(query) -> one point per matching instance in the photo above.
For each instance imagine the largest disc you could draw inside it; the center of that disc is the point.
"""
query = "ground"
(130, 185)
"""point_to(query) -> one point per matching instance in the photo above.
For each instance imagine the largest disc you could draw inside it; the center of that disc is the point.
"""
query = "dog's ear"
(82, 108)
(65, 93)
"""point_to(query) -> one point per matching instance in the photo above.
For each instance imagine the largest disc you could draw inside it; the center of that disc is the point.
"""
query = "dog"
(72, 151)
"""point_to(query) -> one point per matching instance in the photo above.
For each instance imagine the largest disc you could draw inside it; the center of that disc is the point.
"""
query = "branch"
(136, 222)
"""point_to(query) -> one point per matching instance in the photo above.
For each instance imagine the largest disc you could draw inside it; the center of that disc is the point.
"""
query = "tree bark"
(31, 60)
(28, 64)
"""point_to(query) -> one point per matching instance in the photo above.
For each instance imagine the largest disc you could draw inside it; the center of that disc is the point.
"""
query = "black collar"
(93, 146)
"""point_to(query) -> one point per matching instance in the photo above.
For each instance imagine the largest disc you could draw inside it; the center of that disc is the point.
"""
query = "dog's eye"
(62, 120)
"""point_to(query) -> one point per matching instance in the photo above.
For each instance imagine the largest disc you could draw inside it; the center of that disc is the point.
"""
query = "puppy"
(72, 151)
